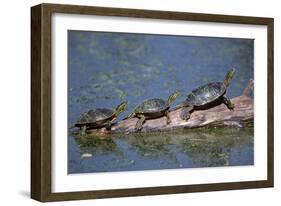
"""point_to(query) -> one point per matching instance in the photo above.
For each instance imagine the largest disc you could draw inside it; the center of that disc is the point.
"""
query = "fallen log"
(218, 116)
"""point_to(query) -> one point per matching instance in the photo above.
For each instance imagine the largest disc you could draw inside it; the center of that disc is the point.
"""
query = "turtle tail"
(181, 105)
(129, 116)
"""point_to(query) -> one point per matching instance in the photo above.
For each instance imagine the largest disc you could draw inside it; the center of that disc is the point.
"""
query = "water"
(107, 68)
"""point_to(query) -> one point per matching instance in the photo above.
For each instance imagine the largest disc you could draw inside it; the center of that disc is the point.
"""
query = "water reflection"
(182, 149)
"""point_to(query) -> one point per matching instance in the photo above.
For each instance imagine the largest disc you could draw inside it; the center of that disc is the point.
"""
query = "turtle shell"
(152, 106)
(206, 94)
(97, 116)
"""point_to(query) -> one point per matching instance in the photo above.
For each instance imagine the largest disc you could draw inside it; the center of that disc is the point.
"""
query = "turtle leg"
(185, 112)
(108, 125)
(140, 122)
(168, 117)
(228, 103)
(83, 131)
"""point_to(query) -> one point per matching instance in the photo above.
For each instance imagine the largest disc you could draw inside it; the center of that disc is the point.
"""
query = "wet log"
(218, 116)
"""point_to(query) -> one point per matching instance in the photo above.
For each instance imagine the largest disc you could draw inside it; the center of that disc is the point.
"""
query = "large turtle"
(152, 108)
(99, 117)
(207, 96)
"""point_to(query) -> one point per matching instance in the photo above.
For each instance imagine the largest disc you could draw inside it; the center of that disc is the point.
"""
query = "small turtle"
(207, 96)
(99, 117)
(153, 108)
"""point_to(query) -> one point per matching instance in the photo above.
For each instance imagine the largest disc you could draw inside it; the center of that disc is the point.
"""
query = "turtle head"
(173, 97)
(121, 108)
(229, 75)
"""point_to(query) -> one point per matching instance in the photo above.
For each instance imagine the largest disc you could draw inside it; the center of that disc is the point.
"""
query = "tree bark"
(218, 116)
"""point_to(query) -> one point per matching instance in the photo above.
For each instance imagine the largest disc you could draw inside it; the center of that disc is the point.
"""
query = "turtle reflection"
(101, 154)
(154, 145)
(170, 150)
(214, 147)
(97, 146)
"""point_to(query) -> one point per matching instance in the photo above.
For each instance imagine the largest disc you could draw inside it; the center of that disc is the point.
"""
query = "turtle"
(207, 96)
(100, 117)
(153, 108)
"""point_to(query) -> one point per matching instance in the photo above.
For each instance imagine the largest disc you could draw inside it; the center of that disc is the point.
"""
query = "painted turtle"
(153, 108)
(99, 117)
(207, 96)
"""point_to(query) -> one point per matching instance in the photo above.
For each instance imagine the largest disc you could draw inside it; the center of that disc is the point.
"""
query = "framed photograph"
(130, 102)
